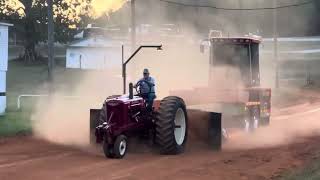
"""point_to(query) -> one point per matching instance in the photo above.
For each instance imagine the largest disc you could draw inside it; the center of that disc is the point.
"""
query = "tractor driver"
(147, 89)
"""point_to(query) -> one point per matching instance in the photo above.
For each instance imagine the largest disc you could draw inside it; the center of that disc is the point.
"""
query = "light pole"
(133, 25)
(241, 19)
(50, 40)
(275, 41)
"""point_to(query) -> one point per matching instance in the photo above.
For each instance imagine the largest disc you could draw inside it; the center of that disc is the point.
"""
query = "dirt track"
(28, 158)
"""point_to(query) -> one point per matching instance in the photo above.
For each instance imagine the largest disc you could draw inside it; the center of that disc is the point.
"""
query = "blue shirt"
(147, 85)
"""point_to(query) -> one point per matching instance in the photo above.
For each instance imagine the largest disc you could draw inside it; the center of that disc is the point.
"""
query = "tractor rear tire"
(171, 126)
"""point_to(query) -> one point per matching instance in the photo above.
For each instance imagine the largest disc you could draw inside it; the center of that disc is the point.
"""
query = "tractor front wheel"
(118, 149)
(108, 149)
(120, 146)
(171, 125)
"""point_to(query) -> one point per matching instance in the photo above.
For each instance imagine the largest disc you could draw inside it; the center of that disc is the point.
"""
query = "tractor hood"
(122, 99)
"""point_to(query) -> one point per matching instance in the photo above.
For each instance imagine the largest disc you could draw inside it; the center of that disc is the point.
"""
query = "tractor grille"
(113, 112)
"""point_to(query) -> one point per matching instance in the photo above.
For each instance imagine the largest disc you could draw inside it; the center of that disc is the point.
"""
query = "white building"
(94, 53)
(293, 48)
(3, 65)
(306, 49)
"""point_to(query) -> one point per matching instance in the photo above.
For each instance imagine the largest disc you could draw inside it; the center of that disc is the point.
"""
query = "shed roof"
(245, 39)
(97, 42)
(5, 24)
(295, 39)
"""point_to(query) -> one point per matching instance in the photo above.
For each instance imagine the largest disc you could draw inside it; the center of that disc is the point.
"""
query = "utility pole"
(50, 40)
(275, 41)
(241, 20)
(197, 17)
(133, 25)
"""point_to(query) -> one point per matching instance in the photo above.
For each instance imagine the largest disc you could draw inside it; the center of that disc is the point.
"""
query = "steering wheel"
(137, 87)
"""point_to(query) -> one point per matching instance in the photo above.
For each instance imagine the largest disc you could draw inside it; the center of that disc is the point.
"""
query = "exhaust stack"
(130, 91)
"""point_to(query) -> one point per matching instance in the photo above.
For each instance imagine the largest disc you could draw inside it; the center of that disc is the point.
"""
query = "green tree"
(30, 21)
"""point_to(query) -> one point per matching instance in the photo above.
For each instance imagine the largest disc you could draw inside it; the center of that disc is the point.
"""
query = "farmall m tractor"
(122, 117)
(234, 84)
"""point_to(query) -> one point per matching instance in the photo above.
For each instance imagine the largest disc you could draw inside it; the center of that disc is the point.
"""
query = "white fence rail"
(19, 99)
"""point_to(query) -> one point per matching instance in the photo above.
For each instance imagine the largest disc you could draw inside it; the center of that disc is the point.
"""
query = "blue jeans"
(149, 97)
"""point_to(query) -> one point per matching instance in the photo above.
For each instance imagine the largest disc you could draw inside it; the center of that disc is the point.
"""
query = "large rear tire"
(171, 126)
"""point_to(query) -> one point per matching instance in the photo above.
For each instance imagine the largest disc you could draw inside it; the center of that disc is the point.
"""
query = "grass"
(309, 172)
(15, 123)
(32, 79)
(20, 79)
(28, 79)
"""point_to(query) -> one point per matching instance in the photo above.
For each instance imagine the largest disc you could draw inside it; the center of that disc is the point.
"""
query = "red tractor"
(125, 116)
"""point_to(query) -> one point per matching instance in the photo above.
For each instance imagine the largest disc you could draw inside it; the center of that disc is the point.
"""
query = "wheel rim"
(246, 126)
(256, 122)
(122, 147)
(180, 126)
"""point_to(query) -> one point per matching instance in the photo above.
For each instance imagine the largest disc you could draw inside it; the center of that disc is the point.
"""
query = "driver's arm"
(137, 84)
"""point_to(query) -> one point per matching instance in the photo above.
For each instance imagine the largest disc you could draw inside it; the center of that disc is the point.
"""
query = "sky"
(100, 7)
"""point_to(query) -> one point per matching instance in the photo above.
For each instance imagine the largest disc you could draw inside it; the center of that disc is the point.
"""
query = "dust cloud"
(292, 124)
(62, 122)
(179, 66)
(64, 117)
